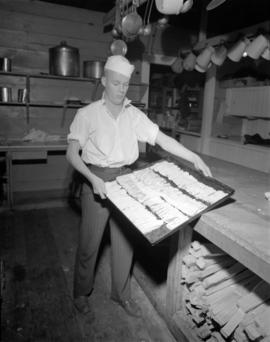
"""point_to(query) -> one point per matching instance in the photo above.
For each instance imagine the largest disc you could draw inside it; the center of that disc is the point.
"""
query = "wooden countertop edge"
(246, 252)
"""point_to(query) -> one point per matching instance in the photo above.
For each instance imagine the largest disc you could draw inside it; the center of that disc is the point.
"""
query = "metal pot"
(5, 94)
(93, 69)
(5, 64)
(64, 60)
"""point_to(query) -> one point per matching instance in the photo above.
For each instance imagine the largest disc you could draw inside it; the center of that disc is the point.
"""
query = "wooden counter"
(23, 146)
(19, 150)
(241, 227)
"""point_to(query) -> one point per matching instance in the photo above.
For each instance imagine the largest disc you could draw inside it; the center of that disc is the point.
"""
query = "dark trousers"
(95, 215)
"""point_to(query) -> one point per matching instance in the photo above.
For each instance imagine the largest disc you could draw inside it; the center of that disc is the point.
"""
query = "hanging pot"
(132, 22)
(118, 47)
(64, 60)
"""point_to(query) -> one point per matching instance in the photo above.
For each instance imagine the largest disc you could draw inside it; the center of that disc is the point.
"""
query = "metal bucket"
(5, 64)
(5, 94)
(64, 60)
(93, 69)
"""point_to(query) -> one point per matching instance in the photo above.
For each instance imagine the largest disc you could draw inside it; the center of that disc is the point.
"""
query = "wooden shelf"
(62, 78)
(48, 76)
(13, 103)
(41, 104)
(56, 105)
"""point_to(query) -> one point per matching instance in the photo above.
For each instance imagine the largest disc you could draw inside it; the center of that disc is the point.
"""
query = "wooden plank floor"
(38, 250)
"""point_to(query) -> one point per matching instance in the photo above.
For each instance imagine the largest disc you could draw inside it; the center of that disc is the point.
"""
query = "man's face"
(116, 86)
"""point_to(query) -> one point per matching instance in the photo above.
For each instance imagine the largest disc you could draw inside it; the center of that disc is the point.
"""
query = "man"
(107, 131)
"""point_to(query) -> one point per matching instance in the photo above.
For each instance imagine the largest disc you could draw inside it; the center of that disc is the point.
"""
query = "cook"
(108, 131)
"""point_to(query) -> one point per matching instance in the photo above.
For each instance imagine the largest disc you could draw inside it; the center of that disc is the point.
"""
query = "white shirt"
(108, 141)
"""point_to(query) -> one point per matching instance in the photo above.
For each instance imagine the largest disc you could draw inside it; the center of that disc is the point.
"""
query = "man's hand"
(199, 164)
(174, 147)
(99, 186)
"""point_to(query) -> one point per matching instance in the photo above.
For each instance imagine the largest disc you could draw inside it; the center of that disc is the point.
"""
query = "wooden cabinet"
(248, 101)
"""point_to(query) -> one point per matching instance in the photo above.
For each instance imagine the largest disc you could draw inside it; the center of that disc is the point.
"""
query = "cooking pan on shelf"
(93, 69)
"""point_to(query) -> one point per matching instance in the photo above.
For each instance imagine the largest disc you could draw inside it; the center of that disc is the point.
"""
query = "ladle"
(147, 26)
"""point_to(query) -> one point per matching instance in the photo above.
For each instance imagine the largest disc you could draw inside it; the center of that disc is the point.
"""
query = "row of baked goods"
(139, 215)
(188, 183)
(161, 195)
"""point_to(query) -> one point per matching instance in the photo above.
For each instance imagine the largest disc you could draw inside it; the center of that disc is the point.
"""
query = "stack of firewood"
(223, 300)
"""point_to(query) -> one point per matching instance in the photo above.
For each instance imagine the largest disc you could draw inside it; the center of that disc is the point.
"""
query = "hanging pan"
(118, 47)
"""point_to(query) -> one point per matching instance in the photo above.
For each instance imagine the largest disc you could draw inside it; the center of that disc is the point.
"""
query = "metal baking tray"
(162, 232)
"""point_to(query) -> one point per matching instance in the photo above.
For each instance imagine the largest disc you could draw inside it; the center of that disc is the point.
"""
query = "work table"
(19, 145)
(240, 226)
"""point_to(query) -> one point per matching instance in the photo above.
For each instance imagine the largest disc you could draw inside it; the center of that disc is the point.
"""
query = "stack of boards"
(164, 196)
(223, 300)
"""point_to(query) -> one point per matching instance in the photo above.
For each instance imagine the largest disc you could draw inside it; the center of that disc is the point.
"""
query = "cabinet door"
(248, 101)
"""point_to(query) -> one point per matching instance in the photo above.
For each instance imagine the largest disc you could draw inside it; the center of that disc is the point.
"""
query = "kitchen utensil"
(127, 35)
(189, 62)
(132, 22)
(186, 6)
(64, 60)
(146, 29)
(169, 6)
(204, 57)
(22, 93)
(200, 69)
(5, 94)
(214, 4)
(266, 53)
(177, 65)
(237, 50)
(5, 64)
(219, 56)
(118, 47)
(257, 46)
(93, 69)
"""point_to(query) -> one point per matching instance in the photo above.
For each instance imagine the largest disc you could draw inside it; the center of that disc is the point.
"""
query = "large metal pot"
(64, 60)
(93, 69)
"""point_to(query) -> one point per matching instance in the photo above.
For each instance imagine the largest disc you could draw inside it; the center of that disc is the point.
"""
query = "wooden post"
(208, 108)
(9, 180)
(179, 245)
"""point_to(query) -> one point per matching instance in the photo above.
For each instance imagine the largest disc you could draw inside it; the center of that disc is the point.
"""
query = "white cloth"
(120, 64)
(110, 142)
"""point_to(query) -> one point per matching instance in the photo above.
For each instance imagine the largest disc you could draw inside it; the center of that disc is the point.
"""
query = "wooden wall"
(28, 28)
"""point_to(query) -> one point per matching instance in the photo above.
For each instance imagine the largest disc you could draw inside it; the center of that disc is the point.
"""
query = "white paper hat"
(120, 64)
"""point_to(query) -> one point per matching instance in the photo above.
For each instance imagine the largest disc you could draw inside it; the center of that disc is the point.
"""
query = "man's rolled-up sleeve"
(79, 129)
(146, 130)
